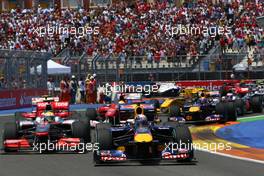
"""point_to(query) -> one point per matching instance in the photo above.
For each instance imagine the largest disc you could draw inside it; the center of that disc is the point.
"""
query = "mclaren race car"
(46, 128)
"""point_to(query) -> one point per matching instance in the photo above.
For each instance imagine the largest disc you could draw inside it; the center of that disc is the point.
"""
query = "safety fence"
(23, 69)
(183, 67)
(23, 75)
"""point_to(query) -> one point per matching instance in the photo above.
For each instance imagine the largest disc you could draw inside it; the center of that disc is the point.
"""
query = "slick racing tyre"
(81, 117)
(241, 105)
(183, 137)
(228, 110)
(231, 111)
(81, 130)
(91, 113)
(10, 132)
(174, 111)
(104, 139)
(104, 136)
(256, 104)
(156, 104)
(74, 115)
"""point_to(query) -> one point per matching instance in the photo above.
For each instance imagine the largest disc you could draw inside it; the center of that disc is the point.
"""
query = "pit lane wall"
(19, 98)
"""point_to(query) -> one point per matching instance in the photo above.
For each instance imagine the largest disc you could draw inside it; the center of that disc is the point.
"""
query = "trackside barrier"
(19, 98)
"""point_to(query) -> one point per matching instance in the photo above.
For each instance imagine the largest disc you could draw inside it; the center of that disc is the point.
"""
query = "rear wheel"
(91, 113)
(81, 117)
(228, 110)
(156, 104)
(231, 111)
(74, 115)
(174, 111)
(240, 104)
(256, 104)
(220, 108)
(81, 130)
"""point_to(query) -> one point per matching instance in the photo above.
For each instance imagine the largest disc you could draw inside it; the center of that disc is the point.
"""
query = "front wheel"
(104, 139)
(104, 136)
(184, 139)
(10, 132)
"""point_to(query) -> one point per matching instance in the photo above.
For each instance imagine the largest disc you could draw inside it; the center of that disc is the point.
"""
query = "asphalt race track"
(82, 165)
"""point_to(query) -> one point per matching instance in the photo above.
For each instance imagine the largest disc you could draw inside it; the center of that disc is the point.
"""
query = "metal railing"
(214, 65)
(23, 69)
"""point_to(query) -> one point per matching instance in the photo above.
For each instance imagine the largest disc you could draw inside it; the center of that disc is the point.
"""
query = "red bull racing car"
(142, 140)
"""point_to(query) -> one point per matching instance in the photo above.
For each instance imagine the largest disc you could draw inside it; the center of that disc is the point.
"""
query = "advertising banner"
(208, 84)
(12, 99)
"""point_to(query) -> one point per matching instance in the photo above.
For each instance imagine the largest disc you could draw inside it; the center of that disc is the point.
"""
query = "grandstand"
(133, 39)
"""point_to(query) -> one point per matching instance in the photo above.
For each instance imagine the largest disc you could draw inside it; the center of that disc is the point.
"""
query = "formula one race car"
(47, 128)
(166, 96)
(204, 109)
(123, 110)
(141, 140)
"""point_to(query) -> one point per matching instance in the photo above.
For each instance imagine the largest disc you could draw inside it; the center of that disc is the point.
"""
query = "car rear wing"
(54, 105)
(60, 105)
(44, 99)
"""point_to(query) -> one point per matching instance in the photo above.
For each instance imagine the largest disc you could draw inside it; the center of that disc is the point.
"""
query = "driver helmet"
(203, 99)
(141, 117)
(122, 99)
(141, 120)
(48, 116)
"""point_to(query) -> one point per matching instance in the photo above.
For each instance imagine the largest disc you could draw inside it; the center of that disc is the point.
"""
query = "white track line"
(3, 115)
(250, 117)
(232, 156)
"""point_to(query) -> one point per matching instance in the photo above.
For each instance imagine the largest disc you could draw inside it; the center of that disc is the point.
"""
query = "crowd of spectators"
(135, 30)
(247, 35)
(20, 30)
(73, 91)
